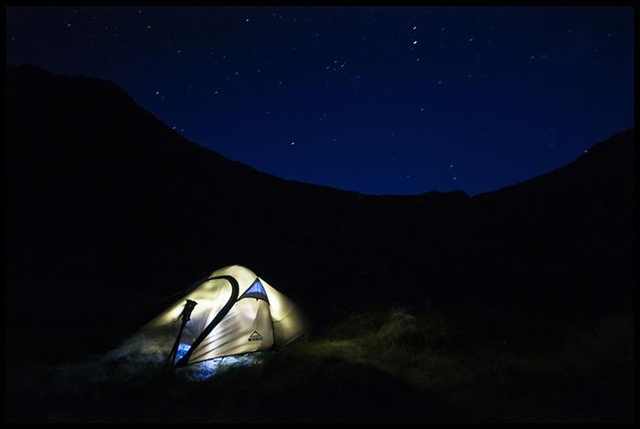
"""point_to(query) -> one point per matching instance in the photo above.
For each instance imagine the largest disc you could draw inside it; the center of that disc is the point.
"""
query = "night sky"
(378, 100)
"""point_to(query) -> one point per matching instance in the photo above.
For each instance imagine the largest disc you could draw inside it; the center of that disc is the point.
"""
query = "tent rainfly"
(231, 312)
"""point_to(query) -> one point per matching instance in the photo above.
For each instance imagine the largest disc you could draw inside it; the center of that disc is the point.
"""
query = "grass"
(395, 365)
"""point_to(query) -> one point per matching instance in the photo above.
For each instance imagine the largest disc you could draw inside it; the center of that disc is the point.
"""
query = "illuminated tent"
(231, 312)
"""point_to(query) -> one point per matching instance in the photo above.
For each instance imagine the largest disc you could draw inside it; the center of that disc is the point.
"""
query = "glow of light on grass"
(182, 350)
(207, 369)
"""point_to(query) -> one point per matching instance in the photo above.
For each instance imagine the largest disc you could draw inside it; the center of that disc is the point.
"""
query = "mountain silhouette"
(110, 213)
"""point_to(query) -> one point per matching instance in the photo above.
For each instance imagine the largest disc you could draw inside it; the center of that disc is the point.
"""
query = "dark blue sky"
(378, 100)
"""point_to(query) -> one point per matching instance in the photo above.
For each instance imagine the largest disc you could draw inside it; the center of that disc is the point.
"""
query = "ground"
(395, 365)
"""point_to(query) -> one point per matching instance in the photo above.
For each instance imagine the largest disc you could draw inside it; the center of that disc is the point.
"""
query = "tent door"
(221, 314)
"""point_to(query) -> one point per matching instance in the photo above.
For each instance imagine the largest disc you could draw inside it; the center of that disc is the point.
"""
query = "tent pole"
(185, 315)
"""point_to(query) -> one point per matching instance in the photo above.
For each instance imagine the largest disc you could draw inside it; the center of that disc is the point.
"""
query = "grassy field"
(396, 365)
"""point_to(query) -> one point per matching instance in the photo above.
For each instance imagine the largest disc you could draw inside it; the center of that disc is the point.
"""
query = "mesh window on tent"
(256, 290)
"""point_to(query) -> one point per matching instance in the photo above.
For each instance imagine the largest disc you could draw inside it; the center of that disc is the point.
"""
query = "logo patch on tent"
(255, 336)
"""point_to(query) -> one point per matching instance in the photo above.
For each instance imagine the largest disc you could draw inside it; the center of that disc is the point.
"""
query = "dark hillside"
(109, 212)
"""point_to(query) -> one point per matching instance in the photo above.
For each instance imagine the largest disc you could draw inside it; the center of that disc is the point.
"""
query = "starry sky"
(379, 100)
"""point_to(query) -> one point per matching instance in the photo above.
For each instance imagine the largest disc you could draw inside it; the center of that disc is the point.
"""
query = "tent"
(232, 311)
